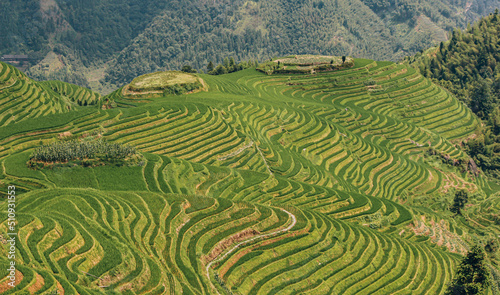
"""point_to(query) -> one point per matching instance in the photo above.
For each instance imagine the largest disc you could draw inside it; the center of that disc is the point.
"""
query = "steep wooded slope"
(469, 66)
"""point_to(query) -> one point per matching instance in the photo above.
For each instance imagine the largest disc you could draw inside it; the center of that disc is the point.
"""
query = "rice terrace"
(305, 175)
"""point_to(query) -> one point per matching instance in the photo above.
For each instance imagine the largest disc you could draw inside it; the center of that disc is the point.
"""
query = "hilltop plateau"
(162, 84)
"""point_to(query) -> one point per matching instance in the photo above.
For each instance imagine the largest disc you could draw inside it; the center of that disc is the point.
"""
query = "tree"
(476, 146)
(231, 67)
(220, 70)
(472, 274)
(343, 58)
(434, 67)
(461, 198)
(188, 69)
(482, 99)
(495, 120)
(210, 66)
(491, 246)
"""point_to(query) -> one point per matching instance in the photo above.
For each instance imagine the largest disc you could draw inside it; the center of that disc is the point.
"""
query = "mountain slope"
(196, 33)
(22, 98)
(315, 183)
(469, 66)
(129, 38)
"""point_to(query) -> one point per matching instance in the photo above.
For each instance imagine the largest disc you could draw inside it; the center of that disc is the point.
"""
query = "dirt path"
(237, 152)
(217, 259)
(265, 161)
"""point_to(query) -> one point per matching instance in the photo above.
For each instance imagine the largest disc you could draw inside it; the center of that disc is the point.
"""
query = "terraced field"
(22, 98)
(281, 184)
(79, 95)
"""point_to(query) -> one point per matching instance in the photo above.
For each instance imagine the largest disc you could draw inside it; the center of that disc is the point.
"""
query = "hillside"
(469, 66)
(109, 42)
(22, 98)
(338, 182)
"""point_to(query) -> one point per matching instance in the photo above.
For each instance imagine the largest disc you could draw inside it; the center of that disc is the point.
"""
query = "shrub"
(461, 198)
(472, 275)
(84, 152)
(369, 82)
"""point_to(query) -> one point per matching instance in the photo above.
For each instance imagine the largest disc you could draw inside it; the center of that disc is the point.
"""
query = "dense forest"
(93, 30)
(19, 36)
(132, 37)
(469, 66)
(200, 32)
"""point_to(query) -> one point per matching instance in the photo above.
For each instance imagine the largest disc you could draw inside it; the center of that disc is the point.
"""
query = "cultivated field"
(161, 80)
(162, 84)
(265, 184)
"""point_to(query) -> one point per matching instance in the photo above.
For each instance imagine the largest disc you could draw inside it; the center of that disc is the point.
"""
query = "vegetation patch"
(468, 66)
(87, 152)
(303, 64)
(163, 83)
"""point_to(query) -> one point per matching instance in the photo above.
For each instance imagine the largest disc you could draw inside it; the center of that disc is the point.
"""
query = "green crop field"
(337, 182)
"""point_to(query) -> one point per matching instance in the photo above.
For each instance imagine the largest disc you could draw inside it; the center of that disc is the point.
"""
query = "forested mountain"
(87, 41)
(469, 66)
(64, 38)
